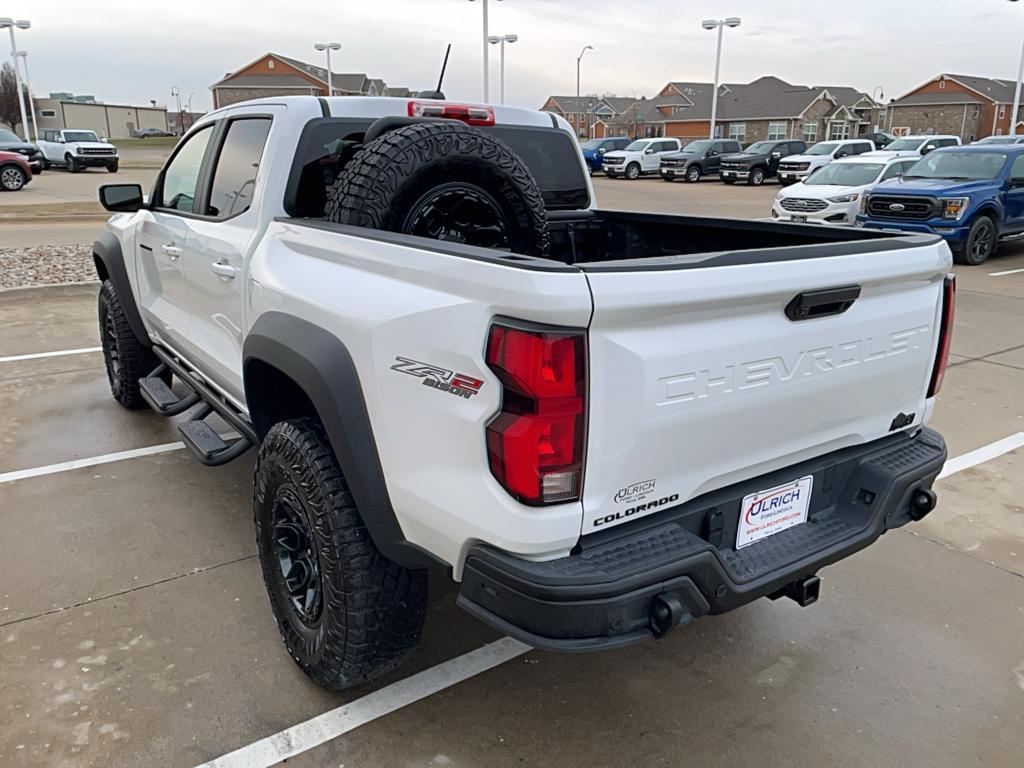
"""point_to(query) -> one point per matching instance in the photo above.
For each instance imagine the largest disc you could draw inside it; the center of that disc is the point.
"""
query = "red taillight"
(469, 114)
(535, 444)
(945, 334)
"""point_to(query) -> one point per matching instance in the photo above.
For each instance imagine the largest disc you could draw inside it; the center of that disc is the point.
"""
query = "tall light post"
(28, 87)
(578, 60)
(10, 24)
(328, 47)
(720, 25)
(502, 39)
(487, 69)
(176, 93)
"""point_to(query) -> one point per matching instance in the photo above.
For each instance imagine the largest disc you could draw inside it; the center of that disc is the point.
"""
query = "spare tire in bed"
(446, 181)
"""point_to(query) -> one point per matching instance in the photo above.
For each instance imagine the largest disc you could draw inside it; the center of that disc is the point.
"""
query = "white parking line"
(106, 458)
(322, 728)
(985, 453)
(58, 353)
(1005, 272)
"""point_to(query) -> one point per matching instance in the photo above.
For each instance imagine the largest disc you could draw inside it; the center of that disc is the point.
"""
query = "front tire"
(12, 178)
(633, 171)
(346, 613)
(112, 168)
(980, 243)
(756, 177)
(125, 358)
(693, 174)
(72, 164)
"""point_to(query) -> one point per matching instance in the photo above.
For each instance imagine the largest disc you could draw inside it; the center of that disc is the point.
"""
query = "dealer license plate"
(768, 512)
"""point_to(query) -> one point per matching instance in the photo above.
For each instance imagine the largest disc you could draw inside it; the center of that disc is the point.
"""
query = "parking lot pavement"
(59, 187)
(134, 629)
(705, 198)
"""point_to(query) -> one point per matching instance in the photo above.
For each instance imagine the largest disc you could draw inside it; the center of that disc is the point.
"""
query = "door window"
(235, 176)
(1017, 170)
(181, 176)
(894, 170)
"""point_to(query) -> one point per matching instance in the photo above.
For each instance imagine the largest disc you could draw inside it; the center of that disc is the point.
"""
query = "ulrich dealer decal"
(458, 384)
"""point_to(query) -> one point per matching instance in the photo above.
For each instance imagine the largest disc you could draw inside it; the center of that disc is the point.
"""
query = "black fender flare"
(109, 262)
(320, 364)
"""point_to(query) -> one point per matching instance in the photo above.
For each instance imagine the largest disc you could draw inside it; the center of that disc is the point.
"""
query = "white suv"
(642, 156)
(798, 167)
(77, 149)
(917, 146)
(831, 195)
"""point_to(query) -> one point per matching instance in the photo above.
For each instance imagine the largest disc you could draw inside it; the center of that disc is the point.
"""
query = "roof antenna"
(438, 93)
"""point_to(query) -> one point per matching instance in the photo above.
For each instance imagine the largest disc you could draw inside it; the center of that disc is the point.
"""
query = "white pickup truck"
(76, 150)
(603, 423)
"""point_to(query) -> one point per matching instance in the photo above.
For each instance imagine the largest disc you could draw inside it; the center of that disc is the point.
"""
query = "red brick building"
(963, 105)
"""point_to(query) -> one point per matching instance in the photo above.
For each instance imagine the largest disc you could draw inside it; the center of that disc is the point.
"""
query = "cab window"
(235, 176)
(181, 177)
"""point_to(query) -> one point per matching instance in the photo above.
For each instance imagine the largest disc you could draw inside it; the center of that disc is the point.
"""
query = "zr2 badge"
(458, 384)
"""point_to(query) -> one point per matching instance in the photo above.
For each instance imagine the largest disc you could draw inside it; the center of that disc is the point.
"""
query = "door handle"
(171, 250)
(223, 269)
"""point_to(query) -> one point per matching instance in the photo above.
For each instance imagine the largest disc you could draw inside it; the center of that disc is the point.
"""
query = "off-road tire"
(974, 250)
(112, 168)
(371, 609)
(390, 177)
(125, 358)
(72, 163)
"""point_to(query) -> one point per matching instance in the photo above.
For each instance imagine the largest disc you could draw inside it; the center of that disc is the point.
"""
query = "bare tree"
(10, 112)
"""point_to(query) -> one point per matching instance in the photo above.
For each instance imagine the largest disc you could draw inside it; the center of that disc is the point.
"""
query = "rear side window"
(235, 176)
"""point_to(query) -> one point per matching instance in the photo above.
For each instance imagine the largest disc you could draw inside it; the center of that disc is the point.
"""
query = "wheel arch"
(293, 368)
(108, 259)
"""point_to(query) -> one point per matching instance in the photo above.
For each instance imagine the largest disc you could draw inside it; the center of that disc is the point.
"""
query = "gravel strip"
(45, 265)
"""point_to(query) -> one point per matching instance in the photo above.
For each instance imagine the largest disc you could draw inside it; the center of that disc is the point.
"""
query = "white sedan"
(831, 195)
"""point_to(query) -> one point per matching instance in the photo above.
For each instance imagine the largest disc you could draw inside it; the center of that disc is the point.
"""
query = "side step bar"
(199, 437)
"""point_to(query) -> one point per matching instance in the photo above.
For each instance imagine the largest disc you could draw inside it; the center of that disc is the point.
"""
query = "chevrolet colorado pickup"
(972, 196)
(604, 424)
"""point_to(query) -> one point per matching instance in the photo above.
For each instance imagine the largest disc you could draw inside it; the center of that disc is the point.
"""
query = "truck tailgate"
(698, 379)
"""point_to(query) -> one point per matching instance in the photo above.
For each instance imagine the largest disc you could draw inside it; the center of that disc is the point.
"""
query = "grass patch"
(154, 142)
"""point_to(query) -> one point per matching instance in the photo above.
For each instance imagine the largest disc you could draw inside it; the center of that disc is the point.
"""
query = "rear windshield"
(905, 144)
(328, 144)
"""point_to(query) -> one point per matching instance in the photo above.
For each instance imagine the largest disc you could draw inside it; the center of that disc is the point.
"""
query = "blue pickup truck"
(593, 150)
(972, 196)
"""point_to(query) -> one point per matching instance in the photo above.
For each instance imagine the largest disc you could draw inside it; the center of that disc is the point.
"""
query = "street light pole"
(1016, 93)
(328, 47)
(20, 24)
(502, 39)
(487, 69)
(719, 24)
(176, 93)
(578, 60)
(31, 101)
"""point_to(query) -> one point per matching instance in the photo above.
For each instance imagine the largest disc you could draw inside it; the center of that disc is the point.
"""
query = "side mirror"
(60, 140)
(841, 153)
(121, 198)
(103, 138)
(927, 148)
(602, 150)
(649, 151)
(712, 153)
(776, 155)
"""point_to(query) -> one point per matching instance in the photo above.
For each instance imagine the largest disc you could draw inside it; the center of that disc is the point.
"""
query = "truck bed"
(600, 240)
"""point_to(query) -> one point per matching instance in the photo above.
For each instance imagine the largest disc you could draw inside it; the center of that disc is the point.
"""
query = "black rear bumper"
(642, 578)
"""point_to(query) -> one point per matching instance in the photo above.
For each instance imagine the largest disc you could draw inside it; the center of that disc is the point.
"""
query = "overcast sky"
(133, 50)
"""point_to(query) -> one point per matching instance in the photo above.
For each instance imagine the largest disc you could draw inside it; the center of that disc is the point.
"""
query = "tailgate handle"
(827, 301)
